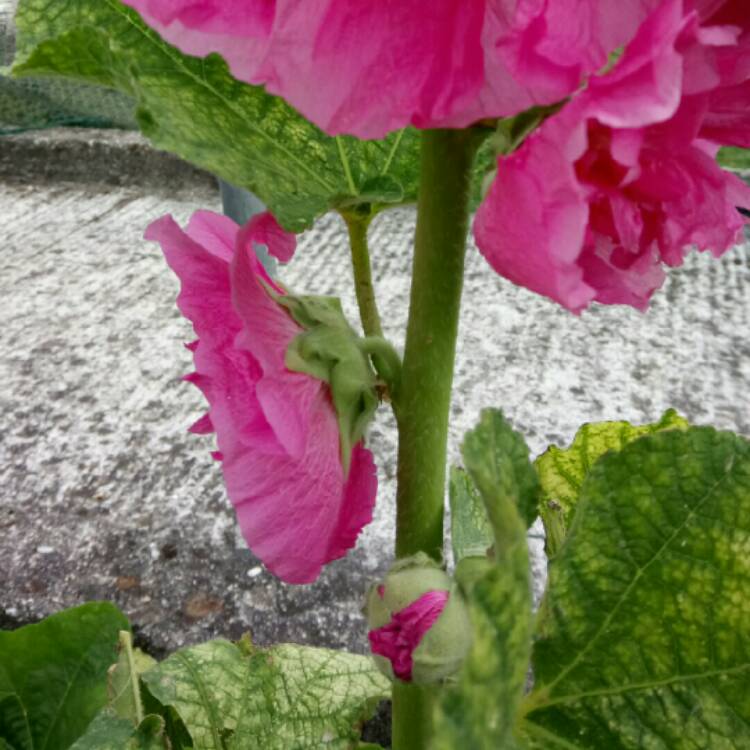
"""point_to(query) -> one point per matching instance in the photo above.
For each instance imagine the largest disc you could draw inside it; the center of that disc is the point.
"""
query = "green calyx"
(444, 647)
(330, 350)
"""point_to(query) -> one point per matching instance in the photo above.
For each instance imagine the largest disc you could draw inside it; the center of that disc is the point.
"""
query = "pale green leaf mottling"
(196, 109)
(562, 470)
(283, 698)
(643, 638)
(471, 533)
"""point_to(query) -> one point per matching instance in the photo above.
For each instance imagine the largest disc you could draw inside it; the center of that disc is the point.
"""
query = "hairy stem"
(427, 373)
(368, 309)
(423, 401)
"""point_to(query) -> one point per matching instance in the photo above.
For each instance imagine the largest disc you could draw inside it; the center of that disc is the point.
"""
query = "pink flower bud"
(420, 629)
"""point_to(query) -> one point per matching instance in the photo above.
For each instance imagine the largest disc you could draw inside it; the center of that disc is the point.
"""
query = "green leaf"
(286, 697)
(111, 732)
(471, 533)
(735, 158)
(479, 713)
(562, 471)
(107, 731)
(53, 676)
(195, 108)
(497, 459)
(124, 682)
(644, 633)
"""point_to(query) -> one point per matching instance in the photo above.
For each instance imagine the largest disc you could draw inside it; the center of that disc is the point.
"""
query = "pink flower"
(276, 430)
(719, 70)
(366, 68)
(397, 640)
(623, 180)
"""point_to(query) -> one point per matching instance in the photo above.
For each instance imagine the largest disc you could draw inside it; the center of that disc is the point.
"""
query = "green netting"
(35, 103)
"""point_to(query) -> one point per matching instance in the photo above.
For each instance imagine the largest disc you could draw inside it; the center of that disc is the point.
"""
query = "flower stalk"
(423, 402)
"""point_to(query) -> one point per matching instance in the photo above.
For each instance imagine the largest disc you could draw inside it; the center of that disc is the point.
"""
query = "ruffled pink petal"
(266, 230)
(205, 295)
(646, 86)
(623, 181)
(238, 30)
(285, 397)
(276, 430)
(397, 640)
(532, 223)
(299, 514)
(728, 119)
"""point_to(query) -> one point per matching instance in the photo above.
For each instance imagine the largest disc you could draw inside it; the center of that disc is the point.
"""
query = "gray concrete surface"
(103, 493)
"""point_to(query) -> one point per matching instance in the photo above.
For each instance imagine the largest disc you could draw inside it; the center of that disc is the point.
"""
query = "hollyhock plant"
(276, 430)
(447, 65)
(605, 118)
(623, 180)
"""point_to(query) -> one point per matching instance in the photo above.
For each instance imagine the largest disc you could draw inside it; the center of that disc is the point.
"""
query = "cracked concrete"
(103, 493)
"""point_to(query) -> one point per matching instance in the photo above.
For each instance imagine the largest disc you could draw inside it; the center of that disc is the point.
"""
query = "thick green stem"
(427, 374)
(368, 309)
(411, 718)
(423, 401)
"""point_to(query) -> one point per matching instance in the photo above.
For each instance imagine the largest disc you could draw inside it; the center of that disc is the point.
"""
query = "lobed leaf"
(286, 697)
(644, 633)
(563, 470)
(53, 676)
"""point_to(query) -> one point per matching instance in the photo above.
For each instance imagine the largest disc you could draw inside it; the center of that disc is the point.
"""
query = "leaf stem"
(126, 643)
(423, 402)
(386, 360)
(345, 164)
(357, 225)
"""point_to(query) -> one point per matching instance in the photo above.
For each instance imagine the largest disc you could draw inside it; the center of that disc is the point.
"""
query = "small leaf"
(124, 682)
(471, 533)
(643, 633)
(53, 675)
(479, 713)
(497, 458)
(562, 471)
(107, 731)
(735, 158)
(283, 698)
(111, 732)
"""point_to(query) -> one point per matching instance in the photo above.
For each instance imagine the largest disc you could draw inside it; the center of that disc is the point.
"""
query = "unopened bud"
(419, 626)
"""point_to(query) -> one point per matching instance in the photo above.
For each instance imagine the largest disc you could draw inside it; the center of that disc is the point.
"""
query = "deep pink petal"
(623, 181)
(397, 640)
(266, 230)
(276, 430)
(532, 223)
(444, 64)
(299, 514)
